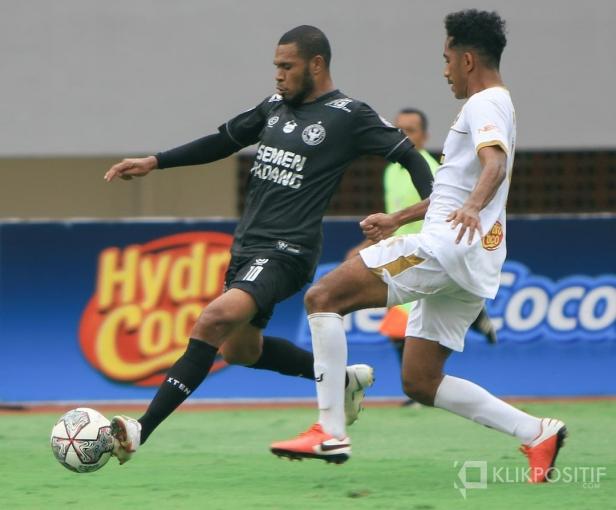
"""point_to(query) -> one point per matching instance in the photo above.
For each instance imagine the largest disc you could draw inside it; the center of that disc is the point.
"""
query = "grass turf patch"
(402, 458)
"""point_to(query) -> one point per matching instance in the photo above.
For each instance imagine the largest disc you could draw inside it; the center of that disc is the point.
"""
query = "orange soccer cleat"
(314, 444)
(542, 450)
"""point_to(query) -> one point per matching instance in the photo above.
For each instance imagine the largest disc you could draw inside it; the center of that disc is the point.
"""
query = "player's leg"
(393, 326)
(349, 287)
(220, 319)
(269, 280)
(424, 381)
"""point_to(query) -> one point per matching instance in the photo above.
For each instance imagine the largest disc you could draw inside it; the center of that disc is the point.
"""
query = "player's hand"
(468, 217)
(379, 226)
(132, 167)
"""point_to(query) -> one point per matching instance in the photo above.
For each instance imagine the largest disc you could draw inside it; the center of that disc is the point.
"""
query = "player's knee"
(246, 355)
(214, 323)
(319, 299)
(420, 388)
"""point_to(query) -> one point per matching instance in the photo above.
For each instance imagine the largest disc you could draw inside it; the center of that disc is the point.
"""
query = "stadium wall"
(99, 310)
(84, 77)
(74, 187)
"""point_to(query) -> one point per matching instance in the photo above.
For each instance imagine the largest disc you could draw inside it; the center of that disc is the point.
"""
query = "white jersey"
(486, 119)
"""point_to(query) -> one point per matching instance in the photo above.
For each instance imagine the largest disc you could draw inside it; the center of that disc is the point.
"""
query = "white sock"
(330, 358)
(466, 399)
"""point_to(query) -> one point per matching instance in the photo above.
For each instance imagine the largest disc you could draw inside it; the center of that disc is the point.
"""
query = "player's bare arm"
(379, 226)
(493, 163)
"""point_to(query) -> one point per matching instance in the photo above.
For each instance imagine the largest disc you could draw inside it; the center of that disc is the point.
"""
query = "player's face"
(293, 79)
(410, 124)
(454, 70)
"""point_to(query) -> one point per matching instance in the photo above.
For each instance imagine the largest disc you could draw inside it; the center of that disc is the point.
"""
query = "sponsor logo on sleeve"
(487, 128)
(493, 238)
(340, 104)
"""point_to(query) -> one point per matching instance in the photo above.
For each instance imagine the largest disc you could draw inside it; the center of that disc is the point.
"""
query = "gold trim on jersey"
(492, 143)
(398, 265)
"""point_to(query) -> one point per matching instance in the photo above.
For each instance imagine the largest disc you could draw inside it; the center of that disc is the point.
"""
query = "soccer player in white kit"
(447, 270)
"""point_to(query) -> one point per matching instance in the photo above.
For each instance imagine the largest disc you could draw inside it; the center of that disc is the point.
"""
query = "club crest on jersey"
(313, 134)
(341, 104)
(272, 121)
(289, 126)
(494, 237)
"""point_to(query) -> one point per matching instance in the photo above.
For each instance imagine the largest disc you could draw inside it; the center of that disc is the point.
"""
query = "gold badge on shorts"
(494, 237)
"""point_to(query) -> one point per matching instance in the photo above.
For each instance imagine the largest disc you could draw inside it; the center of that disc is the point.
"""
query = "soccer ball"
(81, 440)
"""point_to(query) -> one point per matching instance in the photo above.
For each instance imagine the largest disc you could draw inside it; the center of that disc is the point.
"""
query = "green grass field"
(402, 458)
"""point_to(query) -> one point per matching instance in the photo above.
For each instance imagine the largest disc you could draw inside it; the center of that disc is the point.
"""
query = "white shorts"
(442, 310)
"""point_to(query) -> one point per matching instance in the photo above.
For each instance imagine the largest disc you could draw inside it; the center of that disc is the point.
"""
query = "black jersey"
(302, 153)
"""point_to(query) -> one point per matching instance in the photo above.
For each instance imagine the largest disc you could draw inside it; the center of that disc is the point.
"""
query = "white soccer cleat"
(360, 378)
(126, 434)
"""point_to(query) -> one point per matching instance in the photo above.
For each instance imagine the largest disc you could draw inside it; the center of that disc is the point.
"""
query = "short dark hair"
(481, 30)
(310, 42)
(422, 116)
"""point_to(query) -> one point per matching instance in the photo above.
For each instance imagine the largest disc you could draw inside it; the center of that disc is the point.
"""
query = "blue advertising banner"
(99, 311)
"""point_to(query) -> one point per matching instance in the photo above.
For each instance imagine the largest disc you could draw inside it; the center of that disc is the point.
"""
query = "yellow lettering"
(153, 271)
(117, 269)
(186, 274)
(124, 319)
(155, 333)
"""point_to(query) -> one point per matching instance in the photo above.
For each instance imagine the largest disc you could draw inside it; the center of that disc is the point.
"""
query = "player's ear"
(468, 61)
(317, 64)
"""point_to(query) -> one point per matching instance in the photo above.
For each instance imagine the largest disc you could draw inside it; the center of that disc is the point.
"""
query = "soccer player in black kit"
(307, 133)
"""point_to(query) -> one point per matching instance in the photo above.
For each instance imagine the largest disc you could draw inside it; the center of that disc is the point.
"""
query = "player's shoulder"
(499, 96)
(494, 99)
(274, 98)
(270, 102)
(339, 102)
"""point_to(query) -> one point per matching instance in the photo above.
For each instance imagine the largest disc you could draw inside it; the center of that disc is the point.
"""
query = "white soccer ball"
(81, 440)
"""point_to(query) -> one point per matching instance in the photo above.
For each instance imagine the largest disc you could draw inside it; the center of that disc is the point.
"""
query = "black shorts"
(268, 278)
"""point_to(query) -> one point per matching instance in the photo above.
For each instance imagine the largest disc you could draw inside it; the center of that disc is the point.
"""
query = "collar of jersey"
(321, 98)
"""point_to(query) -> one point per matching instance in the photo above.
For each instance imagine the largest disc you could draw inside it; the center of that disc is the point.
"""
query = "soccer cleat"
(542, 450)
(360, 378)
(314, 444)
(126, 433)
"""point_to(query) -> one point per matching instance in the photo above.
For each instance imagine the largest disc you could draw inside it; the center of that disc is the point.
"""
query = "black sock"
(183, 378)
(280, 355)
(285, 357)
